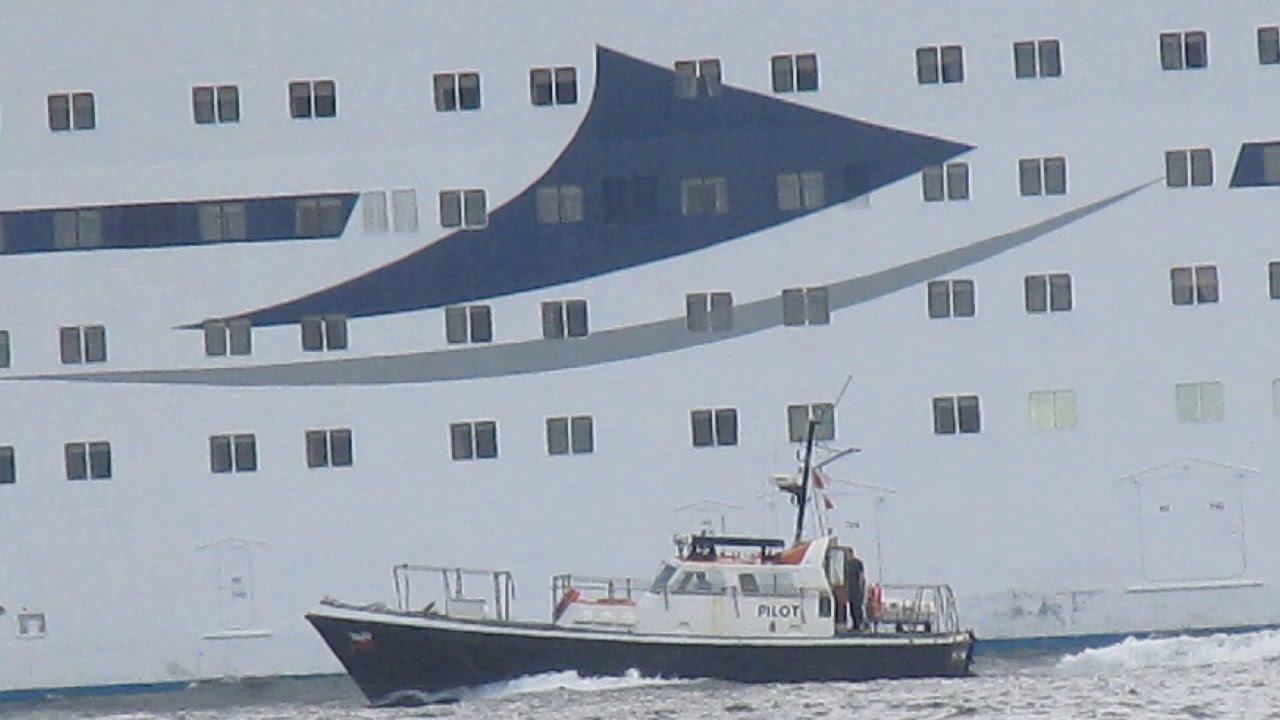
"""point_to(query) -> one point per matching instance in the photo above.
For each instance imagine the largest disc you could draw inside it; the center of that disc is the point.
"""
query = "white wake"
(568, 680)
(1176, 652)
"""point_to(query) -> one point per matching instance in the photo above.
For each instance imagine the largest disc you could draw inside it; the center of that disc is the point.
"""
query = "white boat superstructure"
(290, 291)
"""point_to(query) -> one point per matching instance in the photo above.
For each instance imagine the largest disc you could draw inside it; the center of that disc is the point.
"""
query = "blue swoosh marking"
(611, 345)
(636, 127)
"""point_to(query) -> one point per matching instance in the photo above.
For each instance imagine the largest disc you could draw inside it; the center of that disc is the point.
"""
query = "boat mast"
(804, 479)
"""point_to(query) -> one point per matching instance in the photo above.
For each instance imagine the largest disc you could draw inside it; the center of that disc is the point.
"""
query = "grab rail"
(453, 582)
(927, 608)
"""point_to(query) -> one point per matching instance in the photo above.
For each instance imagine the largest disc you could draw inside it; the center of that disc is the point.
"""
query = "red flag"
(819, 481)
(826, 503)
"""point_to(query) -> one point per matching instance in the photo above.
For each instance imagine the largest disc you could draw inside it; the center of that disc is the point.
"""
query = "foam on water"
(1176, 652)
(568, 680)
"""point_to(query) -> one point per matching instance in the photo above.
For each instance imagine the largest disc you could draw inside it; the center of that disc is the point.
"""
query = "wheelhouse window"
(699, 582)
(665, 573)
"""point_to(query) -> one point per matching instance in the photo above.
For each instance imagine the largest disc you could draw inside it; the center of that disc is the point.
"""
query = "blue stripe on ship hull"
(1066, 644)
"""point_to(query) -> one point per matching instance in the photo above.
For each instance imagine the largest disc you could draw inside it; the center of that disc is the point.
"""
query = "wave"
(568, 680)
(1176, 652)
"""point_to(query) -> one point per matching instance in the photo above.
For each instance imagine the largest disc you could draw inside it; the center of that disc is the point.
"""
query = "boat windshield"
(664, 577)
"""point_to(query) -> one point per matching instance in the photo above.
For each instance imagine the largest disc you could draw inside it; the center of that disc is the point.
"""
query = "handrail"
(595, 587)
(927, 607)
(453, 583)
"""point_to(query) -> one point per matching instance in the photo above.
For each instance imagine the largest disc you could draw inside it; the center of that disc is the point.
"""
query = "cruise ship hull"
(175, 495)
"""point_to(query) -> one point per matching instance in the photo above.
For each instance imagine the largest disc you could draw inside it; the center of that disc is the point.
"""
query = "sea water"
(1227, 676)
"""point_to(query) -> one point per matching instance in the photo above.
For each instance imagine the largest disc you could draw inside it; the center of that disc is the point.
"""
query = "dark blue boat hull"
(392, 658)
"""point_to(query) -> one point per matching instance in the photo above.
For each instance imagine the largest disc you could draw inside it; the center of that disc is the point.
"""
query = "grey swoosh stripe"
(622, 343)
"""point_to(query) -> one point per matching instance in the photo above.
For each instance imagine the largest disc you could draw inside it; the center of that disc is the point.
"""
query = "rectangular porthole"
(329, 448)
(573, 435)
(474, 440)
(714, 427)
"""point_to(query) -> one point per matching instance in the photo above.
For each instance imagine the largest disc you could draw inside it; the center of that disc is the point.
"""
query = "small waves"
(1176, 652)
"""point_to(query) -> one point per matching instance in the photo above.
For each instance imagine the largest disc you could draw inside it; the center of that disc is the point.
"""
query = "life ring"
(875, 602)
(570, 597)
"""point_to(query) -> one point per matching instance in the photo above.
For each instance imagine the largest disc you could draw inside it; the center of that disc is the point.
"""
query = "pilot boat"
(736, 608)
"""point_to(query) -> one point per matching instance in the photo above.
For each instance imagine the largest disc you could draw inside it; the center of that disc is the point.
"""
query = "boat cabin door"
(835, 564)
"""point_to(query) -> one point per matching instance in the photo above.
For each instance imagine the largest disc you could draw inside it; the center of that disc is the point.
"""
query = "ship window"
(8, 468)
(1184, 50)
(1042, 176)
(804, 190)
(72, 111)
(404, 210)
(475, 440)
(664, 576)
(313, 99)
(1273, 279)
(220, 222)
(463, 208)
(456, 91)
(708, 312)
(77, 229)
(798, 417)
(949, 182)
(1269, 45)
(1048, 293)
(1052, 409)
(553, 86)
(559, 204)
(714, 427)
(373, 208)
(1194, 285)
(935, 64)
(704, 196)
(564, 318)
(1037, 58)
(468, 323)
(233, 453)
(952, 298)
(6, 356)
(806, 306)
(324, 332)
(767, 583)
(570, 435)
(88, 460)
(628, 199)
(82, 344)
(1188, 168)
(319, 217)
(329, 448)
(957, 414)
(795, 73)
(697, 78)
(1199, 402)
(228, 337)
(32, 624)
(704, 582)
(215, 104)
